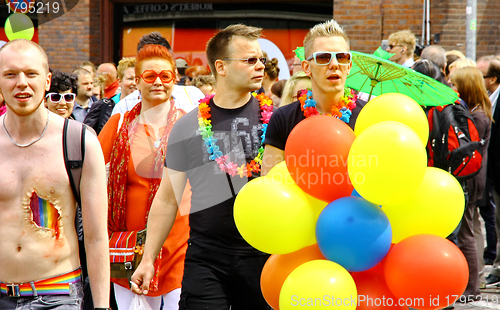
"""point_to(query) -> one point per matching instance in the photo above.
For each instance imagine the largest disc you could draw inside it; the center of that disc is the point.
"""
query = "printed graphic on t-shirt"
(241, 144)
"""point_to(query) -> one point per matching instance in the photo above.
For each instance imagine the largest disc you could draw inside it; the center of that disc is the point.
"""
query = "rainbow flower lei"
(342, 111)
(205, 126)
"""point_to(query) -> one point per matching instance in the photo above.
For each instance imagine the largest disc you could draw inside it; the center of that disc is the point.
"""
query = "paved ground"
(490, 298)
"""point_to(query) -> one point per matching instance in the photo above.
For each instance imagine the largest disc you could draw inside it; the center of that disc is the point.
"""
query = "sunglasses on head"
(56, 97)
(150, 76)
(250, 60)
(324, 58)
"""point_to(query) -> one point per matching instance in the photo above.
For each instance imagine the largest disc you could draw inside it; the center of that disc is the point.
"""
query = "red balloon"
(277, 269)
(316, 156)
(373, 292)
(428, 271)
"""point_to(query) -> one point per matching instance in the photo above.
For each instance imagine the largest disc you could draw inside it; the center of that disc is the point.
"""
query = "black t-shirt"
(238, 132)
(287, 117)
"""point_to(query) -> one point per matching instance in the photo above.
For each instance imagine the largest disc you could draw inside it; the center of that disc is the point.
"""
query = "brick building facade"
(73, 37)
(77, 35)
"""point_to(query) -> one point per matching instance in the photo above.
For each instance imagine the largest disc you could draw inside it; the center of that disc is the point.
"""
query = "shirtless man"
(37, 208)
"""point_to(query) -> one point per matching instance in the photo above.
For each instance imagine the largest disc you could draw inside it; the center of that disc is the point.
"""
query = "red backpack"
(454, 143)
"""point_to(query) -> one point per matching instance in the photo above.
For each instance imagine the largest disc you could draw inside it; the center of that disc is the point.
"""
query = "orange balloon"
(428, 271)
(373, 292)
(316, 156)
(279, 266)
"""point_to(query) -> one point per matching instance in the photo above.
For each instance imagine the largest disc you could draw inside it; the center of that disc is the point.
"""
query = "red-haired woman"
(134, 146)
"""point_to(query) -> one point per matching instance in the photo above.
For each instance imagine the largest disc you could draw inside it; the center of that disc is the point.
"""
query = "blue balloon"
(355, 194)
(354, 233)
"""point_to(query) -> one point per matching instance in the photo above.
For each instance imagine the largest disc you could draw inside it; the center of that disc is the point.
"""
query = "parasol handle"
(372, 84)
(374, 81)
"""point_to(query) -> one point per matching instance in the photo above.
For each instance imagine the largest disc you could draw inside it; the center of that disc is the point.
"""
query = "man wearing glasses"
(40, 265)
(402, 45)
(214, 147)
(61, 96)
(328, 62)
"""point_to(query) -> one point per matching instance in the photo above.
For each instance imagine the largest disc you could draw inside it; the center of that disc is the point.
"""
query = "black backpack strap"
(74, 154)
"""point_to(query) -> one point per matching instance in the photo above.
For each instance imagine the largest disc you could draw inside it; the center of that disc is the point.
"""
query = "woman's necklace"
(205, 126)
(32, 142)
(157, 143)
(341, 111)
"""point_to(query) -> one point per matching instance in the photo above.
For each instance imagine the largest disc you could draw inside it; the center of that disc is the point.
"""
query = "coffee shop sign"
(173, 7)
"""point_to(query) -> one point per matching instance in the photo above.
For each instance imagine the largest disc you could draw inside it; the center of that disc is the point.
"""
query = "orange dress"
(137, 191)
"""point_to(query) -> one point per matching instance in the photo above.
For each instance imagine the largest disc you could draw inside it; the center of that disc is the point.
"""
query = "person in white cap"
(182, 65)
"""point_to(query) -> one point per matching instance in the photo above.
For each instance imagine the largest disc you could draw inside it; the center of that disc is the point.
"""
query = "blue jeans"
(73, 301)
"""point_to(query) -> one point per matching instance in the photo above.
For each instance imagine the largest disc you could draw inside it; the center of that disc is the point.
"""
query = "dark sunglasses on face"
(150, 76)
(391, 46)
(324, 58)
(56, 97)
(250, 60)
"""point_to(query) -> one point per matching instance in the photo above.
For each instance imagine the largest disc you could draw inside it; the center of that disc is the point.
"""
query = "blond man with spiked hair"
(328, 62)
(402, 45)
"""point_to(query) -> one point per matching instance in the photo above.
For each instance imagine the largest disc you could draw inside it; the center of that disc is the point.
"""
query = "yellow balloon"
(19, 26)
(387, 163)
(273, 217)
(318, 284)
(317, 205)
(394, 107)
(279, 174)
(436, 207)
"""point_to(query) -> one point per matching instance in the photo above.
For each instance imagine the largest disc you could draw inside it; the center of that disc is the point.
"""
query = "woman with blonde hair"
(469, 83)
(126, 76)
(451, 57)
(206, 83)
(295, 83)
(458, 64)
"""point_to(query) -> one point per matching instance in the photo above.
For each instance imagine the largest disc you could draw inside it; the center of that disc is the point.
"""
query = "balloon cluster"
(381, 245)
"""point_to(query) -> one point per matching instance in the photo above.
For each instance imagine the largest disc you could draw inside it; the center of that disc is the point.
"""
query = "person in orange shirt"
(134, 147)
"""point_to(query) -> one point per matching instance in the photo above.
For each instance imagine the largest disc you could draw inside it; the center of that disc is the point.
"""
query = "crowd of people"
(165, 149)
